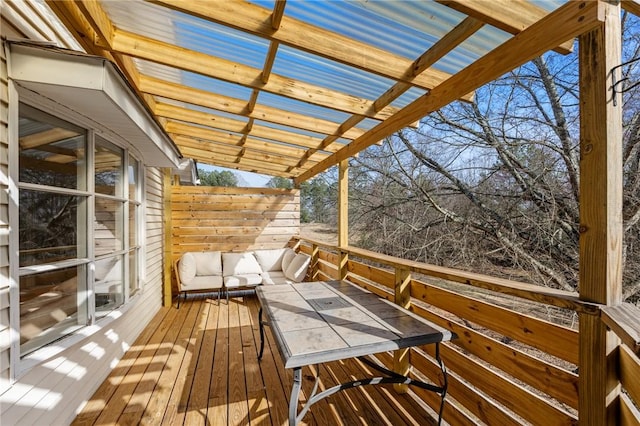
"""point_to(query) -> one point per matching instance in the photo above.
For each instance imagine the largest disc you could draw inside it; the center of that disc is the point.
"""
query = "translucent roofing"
(326, 72)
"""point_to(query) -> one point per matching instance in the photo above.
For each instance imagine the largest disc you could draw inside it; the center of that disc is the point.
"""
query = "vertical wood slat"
(343, 216)
(601, 230)
(402, 297)
(315, 256)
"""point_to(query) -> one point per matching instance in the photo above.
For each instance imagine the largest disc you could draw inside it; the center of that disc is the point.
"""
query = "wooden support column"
(167, 297)
(343, 217)
(601, 228)
(402, 293)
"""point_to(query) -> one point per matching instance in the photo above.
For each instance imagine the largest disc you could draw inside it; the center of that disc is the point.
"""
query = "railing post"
(402, 297)
(601, 224)
(343, 218)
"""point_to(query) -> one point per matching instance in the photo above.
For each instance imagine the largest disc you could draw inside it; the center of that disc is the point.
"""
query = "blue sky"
(247, 179)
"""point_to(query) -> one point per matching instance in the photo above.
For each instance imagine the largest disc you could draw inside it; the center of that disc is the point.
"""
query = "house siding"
(5, 340)
(54, 390)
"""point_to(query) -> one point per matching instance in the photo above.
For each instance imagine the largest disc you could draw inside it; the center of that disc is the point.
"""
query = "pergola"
(291, 89)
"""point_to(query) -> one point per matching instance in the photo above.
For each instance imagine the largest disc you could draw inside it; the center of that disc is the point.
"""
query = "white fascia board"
(93, 92)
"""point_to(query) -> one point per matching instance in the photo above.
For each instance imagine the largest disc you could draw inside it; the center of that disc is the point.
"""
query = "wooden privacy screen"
(205, 218)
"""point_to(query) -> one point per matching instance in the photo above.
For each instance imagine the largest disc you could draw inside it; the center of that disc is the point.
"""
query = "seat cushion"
(287, 257)
(243, 280)
(297, 269)
(270, 260)
(187, 269)
(211, 282)
(239, 264)
(208, 263)
(276, 277)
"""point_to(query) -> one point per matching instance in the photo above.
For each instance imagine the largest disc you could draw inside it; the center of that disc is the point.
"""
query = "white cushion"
(273, 278)
(187, 268)
(287, 257)
(297, 269)
(242, 280)
(270, 260)
(209, 282)
(208, 263)
(239, 264)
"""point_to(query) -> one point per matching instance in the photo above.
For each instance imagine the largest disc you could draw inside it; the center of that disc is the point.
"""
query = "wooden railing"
(624, 320)
(506, 367)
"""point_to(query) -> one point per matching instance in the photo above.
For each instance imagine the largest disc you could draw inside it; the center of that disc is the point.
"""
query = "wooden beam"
(631, 6)
(508, 15)
(447, 43)
(230, 105)
(92, 28)
(235, 151)
(278, 13)
(256, 20)
(189, 60)
(623, 320)
(568, 21)
(218, 136)
(223, 123)
(601, 230)
(254, 167)
(254, 144)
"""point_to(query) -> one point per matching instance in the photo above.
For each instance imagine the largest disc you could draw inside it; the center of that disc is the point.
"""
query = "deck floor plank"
(198, 403)
(132, 372)
(218, 412)
(164, 393)
(237, 389)
(198, 365)
(94, 407)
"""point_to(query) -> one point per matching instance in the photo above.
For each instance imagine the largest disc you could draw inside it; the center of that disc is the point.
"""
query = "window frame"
(20, 362)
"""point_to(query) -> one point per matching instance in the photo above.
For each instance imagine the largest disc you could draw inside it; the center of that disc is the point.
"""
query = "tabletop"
(331, 320)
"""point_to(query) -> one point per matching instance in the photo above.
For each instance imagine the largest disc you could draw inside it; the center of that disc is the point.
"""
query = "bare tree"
(495, 184)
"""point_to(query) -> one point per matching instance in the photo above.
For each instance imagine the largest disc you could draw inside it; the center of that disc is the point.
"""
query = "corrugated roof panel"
(188, 32)
(300, 107)
(387, 25)
(408, 97)
(322, 72)
(213, 85)
(289, 129)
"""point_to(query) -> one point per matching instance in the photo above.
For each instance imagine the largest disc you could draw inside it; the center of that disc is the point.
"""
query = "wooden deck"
(198, 365)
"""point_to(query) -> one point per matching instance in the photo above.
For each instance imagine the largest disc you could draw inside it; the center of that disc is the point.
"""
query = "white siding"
(55, 389)
(4, 226)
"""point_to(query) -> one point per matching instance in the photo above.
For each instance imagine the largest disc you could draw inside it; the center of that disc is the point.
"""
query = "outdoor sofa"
(216, 271)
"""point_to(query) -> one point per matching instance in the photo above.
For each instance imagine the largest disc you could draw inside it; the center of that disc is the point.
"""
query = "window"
(80, 205)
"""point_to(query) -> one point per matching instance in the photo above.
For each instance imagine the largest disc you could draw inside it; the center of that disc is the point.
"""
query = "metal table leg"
(261, 334)
(295, 393)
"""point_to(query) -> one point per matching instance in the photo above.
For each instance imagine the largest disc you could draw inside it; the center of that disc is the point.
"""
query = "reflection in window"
(48, 227)
(51, 153)
(107, 226)
(133, 272)
(108, 163)
(108, 285)
(48, 305)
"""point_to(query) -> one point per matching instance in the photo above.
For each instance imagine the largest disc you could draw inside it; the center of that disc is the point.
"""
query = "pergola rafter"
(286, 126)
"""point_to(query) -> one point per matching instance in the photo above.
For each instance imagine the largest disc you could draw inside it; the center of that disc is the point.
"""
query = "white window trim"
(19, 365)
